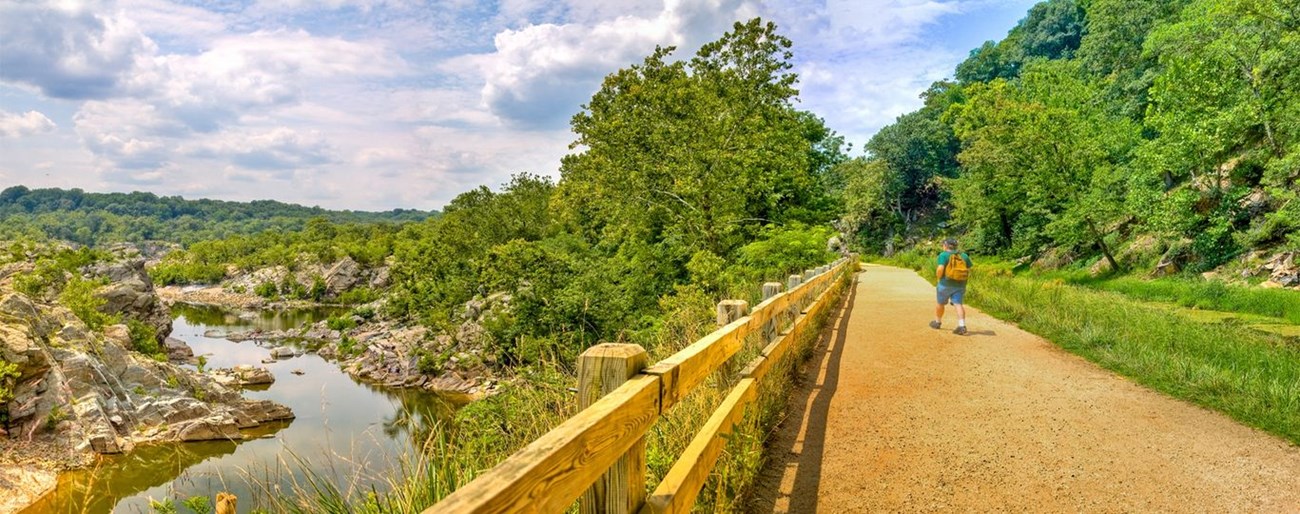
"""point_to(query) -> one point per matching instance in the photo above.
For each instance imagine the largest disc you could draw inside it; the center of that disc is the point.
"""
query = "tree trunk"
(1101, 243)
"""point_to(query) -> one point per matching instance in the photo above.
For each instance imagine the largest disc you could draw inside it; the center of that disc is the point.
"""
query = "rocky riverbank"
(69, 391)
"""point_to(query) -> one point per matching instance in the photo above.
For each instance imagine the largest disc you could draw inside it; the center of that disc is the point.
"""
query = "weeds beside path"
(897, 416)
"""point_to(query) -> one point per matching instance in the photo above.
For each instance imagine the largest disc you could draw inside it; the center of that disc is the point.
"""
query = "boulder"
(177, 349)
(342, 276)
(283, 352)
(380, 277)
(130, 293)
(249, 375)
(1283, 270)
(209, 429)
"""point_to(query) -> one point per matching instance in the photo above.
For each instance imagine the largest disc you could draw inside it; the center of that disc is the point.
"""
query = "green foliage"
(52, 266)
(340, 322)
(1096, 120)
(349, 347)
(700, 153)
(144, 337)
(165, 506)
(198, 504)
(781, 251)
(78, 295)
(9, 376)
(266, 290)
(55, 416)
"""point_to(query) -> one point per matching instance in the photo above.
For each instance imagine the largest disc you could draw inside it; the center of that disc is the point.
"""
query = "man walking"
(953, 271)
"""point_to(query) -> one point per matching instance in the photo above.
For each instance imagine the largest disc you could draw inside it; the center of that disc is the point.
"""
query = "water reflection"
(352, 435)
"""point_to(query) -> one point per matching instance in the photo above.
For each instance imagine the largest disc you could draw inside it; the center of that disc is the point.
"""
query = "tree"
(1042, 161)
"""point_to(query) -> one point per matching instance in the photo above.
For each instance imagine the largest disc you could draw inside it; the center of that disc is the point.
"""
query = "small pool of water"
(351, 434)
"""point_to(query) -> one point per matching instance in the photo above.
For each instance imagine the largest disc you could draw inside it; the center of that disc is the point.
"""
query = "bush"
(144, 338)
(266, 290)
(340, 323)
(79, 297)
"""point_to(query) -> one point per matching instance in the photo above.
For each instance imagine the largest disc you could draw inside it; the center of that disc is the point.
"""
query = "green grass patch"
(1250, 376)
(1206, 294)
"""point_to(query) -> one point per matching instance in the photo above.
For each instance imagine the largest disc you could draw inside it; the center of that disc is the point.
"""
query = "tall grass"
(1250, 376)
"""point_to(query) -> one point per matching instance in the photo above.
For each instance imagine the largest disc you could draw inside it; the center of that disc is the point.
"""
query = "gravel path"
(894, 416)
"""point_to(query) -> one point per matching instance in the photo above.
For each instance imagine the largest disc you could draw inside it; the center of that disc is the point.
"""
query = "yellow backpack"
(956, 269)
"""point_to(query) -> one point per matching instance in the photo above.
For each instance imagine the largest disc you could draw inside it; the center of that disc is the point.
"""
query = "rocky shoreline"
(73, 391)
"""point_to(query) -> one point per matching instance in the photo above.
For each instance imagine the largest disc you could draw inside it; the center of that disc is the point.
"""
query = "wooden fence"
(598, 455)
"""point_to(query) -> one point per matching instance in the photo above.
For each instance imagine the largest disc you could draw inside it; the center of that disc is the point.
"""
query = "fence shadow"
(804, 431)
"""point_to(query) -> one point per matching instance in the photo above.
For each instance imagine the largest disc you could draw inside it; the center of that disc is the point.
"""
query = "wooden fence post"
(770, 329)
(601, 369)
(731, 310)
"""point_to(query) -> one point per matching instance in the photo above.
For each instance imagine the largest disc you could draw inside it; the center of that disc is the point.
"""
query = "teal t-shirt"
(943, 261)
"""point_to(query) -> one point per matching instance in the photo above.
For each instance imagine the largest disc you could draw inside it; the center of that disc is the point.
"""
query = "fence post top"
(614, 350)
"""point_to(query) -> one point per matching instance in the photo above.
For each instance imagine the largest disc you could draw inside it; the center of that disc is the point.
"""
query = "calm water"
(351, 433)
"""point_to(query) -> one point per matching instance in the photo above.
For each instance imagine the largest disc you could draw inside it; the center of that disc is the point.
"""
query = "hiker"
(952, 274)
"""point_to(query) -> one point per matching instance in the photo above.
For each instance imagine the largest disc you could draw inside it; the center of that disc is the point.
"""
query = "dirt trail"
(894, 416)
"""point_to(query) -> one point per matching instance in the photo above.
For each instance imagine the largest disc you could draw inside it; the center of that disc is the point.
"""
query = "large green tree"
(682, 157)
(1042, 161)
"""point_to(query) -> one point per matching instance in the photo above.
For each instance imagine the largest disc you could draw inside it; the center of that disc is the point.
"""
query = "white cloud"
(280, 150)
(538, 75)
(69, 50)
(26, 124)
(375, 104)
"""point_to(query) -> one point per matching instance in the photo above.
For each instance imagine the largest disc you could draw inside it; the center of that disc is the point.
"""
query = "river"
(351, 434)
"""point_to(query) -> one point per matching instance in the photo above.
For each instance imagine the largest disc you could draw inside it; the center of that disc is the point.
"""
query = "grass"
(1206, 294)
(1253, 377)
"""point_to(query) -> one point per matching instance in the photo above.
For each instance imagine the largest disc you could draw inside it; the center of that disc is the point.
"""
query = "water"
(352, 434)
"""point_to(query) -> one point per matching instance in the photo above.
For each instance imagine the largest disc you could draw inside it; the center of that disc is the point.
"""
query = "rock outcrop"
(130, 293)
(79, 390)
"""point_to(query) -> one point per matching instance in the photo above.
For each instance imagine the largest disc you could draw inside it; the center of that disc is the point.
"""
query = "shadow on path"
(808, 407)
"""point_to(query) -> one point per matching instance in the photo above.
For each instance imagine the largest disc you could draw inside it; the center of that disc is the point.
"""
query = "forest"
(1120, 134)
(93, 219)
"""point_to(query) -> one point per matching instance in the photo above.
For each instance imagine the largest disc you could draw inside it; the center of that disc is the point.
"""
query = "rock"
(835, 245)
(249, 375)
(342, 276)
(297, 372)
(380, 277)
(105, 441)
(282, 352)
(209, 429)
(1283, 270)
(1174, 260)
(1256, 203)
(130, 293)
(177, 349)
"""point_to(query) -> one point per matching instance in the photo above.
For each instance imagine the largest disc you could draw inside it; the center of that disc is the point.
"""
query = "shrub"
(144, 338)
(266, 290)
(340, 323)
(79, 297)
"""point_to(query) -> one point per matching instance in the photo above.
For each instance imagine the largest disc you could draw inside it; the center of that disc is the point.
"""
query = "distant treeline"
(98, 218)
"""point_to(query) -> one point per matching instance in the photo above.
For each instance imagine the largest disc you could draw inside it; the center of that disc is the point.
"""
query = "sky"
(383, 104)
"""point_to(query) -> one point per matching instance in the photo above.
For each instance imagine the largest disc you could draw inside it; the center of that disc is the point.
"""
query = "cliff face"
(79, 390)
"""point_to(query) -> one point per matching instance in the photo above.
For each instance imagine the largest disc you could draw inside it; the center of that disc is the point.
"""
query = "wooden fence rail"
(599, 453)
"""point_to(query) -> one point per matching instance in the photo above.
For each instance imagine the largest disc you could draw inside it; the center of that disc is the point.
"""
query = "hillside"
(1149, 136)
(97, 218)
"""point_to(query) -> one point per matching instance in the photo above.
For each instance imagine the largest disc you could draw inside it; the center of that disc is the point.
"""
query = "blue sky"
(380, 104)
